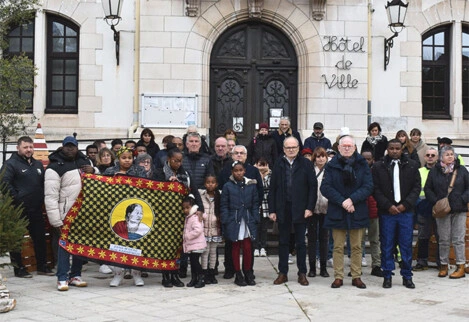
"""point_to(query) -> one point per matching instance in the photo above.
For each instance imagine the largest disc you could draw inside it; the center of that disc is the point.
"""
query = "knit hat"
(306, 151)
(263, 126)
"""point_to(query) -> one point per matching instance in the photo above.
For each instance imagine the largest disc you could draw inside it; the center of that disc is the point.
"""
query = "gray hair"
(346, 136)
(143, 157)
(447, 148)
(285, 118)
(240, 147)
(291, 138)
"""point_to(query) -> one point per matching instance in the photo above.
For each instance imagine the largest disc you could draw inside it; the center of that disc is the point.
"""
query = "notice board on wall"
(168, 111)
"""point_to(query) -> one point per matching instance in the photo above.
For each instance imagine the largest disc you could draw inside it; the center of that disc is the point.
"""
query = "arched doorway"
(253, 79)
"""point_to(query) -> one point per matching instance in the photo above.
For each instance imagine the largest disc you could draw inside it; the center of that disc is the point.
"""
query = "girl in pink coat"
(194, 241)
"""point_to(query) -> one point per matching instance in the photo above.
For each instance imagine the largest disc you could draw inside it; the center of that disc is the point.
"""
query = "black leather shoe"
(324, 272)
(408, 283)
(387, 283)
(376, 271)
(312, 273)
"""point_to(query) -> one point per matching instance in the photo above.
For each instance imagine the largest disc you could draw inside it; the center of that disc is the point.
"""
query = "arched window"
(21, 41)
(62, 65)
(436, 73)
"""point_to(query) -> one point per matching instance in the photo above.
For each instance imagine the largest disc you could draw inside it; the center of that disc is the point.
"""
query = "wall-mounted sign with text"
(343, 78)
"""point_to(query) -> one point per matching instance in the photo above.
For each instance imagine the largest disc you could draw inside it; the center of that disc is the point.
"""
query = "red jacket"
(372, 207)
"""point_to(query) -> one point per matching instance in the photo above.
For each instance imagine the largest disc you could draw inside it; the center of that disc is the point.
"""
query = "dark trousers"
(37, 231)
(229, 256)
(196, 268)
(317, 232)
(427, 227)
(396, 229)
(284, 230)
(261, 241)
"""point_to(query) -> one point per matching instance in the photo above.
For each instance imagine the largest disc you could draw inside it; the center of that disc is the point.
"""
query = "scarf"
(180, 175)
(348, 174)
(447, 168)
(373, 140)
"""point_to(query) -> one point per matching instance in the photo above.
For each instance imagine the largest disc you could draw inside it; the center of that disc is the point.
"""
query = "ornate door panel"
(253, 71)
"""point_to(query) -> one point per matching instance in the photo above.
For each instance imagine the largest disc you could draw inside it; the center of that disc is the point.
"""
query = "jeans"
(396, 228)
(451, 230)
(63, 265)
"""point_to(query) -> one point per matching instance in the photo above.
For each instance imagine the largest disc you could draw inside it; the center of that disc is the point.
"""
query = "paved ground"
(434, 299)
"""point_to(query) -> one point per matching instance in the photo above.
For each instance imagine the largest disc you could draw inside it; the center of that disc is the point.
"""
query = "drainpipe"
(131, 130)
(370, 62)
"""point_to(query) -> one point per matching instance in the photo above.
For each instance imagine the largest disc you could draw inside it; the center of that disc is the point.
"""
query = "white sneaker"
(256, 253)
(77, 281)
(137, 275)
(330, 262)
(364, 263)
(7, 305)
(62, 285)
(290, 259)
(105, 269)
(118, 277)
(263, 252)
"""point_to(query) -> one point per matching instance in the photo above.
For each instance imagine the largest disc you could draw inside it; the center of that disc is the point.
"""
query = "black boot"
(201, 281)
(249, 278)
(323, 271)
(166, 280)
(193, 280)
(183, 270)
(213, 279)
(239, 280)
(207, 279)
(175, 280)
(312, 271)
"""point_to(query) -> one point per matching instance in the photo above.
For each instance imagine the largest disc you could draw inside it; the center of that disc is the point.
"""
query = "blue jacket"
(239, 200)
(342, 181)
(304, 189)
(313, 142)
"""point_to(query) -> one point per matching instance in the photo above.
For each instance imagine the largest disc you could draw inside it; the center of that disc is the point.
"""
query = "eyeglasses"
(290, 147)
(239, 152)
(430, 155)
(145, 162)
(347, 146)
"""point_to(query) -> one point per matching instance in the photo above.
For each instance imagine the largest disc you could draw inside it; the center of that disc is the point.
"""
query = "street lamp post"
(396, 11)
(112, 15)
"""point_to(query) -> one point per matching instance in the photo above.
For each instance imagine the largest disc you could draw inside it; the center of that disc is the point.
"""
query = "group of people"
(316, 189)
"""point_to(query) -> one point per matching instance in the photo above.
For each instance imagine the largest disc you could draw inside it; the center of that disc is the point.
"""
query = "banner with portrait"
(127, 222)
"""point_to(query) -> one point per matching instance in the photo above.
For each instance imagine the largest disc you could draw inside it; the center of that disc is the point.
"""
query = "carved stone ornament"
(255, 8)
(192, 7)
(318, 9)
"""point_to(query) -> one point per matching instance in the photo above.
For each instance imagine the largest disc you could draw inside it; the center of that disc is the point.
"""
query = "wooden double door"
(253, 79)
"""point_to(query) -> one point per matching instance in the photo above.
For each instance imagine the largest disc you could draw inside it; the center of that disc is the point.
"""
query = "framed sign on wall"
(168, 111)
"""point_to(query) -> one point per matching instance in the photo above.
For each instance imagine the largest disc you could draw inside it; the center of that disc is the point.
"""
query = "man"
(425, 220)
(130, 144)
(317, 138)
(347, 184)
(116, 144)
(221, 156)
(397, 187)
(292, 197)
(132, 228)
(62, 186)
(177, 141)
(92, 153)
(263, 146)
(196, 163)
(284, 131)
(373, 229)
(100, 144)
(140, 148)
(24, 177)
(231, 144)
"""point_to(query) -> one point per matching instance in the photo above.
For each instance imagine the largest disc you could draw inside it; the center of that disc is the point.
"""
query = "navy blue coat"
(304, 190)
(239, 201)
(337, 191)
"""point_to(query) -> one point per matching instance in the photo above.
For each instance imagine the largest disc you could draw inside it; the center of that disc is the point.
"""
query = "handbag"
(442, 207)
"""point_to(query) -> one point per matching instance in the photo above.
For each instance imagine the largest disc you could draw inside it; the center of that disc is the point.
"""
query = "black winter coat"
(25, 181)
(304, 189)
(239, 200)
(336, 189)
(378, 150)
(262, 146)
(436, 187)
(251, 173)
(198, 165)
(279, 137)
(410, 183)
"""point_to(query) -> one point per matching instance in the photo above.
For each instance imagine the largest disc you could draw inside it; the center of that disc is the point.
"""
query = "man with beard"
(132, 227)
(262, 146)
(62, 186)
(317, 138)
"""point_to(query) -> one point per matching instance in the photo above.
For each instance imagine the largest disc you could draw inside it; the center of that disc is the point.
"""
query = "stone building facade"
(236, 63)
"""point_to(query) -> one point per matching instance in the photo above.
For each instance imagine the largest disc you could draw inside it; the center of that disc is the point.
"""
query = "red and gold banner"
(127, 222)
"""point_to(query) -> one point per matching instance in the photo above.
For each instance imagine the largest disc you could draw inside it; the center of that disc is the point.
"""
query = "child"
(211, 199)
(125, 166)
(194, 242)
(240, 217)
(261, 243)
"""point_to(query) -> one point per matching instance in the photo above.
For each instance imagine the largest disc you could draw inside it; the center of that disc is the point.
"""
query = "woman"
(148, 139)
(146, 162)
(105, 159)
(316, 221)
(262, 146)
(172, 170)
(452, 227)
(407, 147)
(420, 146)
(375, 141)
